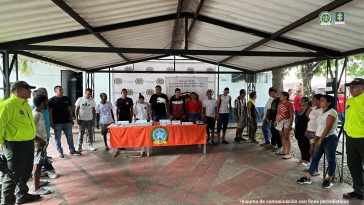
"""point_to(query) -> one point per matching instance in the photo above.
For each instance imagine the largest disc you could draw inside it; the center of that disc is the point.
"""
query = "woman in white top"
(141, 109)
(224, 104)
(313, 114)
(326, 143)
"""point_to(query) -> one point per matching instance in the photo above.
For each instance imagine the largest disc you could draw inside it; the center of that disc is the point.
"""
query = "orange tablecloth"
(145, 136)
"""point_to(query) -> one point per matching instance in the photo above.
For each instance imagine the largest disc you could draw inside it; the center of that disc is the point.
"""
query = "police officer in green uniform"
(17, 133)
(354, 128)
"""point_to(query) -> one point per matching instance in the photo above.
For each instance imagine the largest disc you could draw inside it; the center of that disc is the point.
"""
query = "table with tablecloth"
(149, 136)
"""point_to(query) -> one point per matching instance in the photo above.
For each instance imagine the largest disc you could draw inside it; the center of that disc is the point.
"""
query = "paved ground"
(228, 174)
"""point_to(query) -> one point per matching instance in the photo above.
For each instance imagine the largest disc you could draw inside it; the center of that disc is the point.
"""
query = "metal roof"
(264, 34)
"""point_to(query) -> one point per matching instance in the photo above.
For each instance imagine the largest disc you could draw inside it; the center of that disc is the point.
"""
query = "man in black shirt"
(276, 141)
(158, 105)
(124, 107)
(60, 110)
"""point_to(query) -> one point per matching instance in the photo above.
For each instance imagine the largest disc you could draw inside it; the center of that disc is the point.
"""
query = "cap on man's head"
(20, 84)
(356, 81)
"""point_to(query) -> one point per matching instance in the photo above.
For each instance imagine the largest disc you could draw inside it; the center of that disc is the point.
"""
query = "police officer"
(354, 128)
(17, 133)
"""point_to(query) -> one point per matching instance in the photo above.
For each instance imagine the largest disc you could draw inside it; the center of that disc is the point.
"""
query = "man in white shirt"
(266, 123)
(209, 115)
(85, 116)
(105, 117)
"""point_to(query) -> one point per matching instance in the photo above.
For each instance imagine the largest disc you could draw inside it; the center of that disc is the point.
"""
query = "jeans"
(223, 121)
(252, 129)
(47, 164)
(265, 130)
(328, 146)
(276, 138)
(194, 116)
(89, 125)
(156, 117)
(19, 156)
(67, 129)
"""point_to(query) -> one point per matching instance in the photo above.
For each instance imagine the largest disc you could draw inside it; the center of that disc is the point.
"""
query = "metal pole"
(344, 134)
(109, 84)
(218, 80)
(186, 33)
(6, 74)
(174, 63)
(16, 67)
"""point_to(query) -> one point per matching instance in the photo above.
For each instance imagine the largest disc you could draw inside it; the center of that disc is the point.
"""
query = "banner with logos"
(187, 85)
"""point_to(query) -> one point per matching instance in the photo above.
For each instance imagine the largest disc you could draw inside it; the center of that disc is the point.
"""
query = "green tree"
(25, 68)
(278, 77)
(356, 66)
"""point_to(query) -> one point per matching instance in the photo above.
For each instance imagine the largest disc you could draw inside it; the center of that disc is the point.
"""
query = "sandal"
(280, 153)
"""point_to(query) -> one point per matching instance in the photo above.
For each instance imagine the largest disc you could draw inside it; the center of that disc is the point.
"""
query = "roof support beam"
(295, 64)
(61, 4)
(263, 34)
(56, 62)
(121, 64)
(309, 17)
(100, 29)
(176, 22)
(195, 15)
(157, 51)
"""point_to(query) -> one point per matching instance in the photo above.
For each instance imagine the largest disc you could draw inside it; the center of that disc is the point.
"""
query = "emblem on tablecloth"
(159, 135)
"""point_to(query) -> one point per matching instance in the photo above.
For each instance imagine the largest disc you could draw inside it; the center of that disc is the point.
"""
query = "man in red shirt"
(296, 104)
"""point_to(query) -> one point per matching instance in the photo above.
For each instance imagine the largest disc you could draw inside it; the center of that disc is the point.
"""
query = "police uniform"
(17, 133)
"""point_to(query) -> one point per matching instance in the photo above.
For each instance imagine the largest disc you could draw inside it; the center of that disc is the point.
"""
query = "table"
(156, 136)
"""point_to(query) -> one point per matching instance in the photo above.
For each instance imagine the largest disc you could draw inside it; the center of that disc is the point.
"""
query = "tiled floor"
(227, 174)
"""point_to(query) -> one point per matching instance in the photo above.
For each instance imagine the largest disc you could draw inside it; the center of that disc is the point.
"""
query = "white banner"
(187, 85)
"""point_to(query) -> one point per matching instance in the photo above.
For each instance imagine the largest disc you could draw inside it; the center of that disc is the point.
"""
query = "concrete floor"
(227, 174)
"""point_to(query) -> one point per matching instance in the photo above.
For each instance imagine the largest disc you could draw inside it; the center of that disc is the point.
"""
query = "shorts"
(104, 128)
(242, 122)
(39, 152)
(210, 122)
(282, 124)
(311, 136)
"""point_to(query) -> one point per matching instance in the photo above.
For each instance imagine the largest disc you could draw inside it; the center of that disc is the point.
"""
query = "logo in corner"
(325, 18)
(339, 18)
(159, 135)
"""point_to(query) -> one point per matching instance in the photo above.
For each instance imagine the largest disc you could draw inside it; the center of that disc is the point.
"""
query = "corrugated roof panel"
(87, 40)
(157, 35)
(205, 36)
(26, 19)
(105, 12)
(344, 37)
(264, 15)
(259, 63)
(83, 60)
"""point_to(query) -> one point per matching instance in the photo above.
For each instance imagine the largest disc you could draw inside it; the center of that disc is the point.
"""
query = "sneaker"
(107, 149)
(42, 191)
(316, 173)
(75, 153)
(43, 173)
(27, 198)
(304, 180)
(61, 155)
(80, 148)
(43, 182)
(304, 164)
(327, 184)
(52, 174)
(241, 139)
(236, 140)
(91, 147)
(224, 142)
(353, 195)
